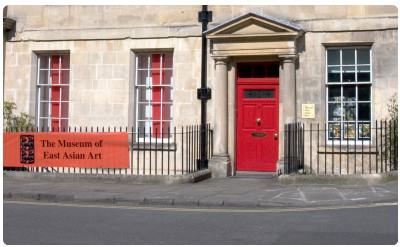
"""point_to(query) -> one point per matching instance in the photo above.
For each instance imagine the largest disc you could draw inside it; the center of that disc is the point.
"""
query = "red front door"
(257, 125)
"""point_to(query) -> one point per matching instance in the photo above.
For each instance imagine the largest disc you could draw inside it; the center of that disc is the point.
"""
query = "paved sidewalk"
(221, 192)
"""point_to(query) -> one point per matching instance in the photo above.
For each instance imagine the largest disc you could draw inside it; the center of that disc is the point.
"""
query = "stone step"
(250, 174)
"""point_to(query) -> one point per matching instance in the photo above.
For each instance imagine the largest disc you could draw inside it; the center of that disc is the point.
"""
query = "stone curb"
(360, 179)
(114, 178)
(172, 202)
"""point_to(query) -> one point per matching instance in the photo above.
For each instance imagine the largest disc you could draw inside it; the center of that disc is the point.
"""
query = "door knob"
(258, 121)
(276, 136)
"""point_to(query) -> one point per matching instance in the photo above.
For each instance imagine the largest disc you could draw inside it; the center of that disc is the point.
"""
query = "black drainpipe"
(203, 93)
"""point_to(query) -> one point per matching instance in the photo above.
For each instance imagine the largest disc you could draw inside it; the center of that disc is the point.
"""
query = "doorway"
(257, 118)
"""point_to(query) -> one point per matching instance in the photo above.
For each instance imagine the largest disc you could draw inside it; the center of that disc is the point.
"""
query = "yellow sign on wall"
(308, 110)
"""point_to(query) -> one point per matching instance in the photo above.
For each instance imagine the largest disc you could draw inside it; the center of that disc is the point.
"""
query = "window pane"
(166, 126)
(140, 126)
(64, 93)
(155, 61)
(44, 93)
(43, 77)
(349, 74)
(167, 61)
(44, 109)
(144, 112)
(259, 71)
(363, 73)
(64, 77)
(142, 77)
(259, 94)
(44, 62)
(156, 94)
(167, 77)
(55, 124)
(349, 111)
(334, 112)
(65, 61)
(363, 56)
(166, 112)
(348, 56)
(143, 62)
(166, 94)
(349, 93)
(334, 74)
(334, 131)
(64, 110)
(156, 129)
(333, 57)
(55, 109)
(364, 111)
(364, 93)
(364, 131)
(144, 129)
(245, 71)
(55, 76)
(64, 124)
(334, 93)
(156, 111)
(273, 70)
(43, 123)
(349, 131)
(144, 94)
(55, 93)
(55, 62)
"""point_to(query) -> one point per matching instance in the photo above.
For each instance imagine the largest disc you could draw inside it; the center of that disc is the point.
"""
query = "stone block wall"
(310, 75)
(102, 41)
(101, 78)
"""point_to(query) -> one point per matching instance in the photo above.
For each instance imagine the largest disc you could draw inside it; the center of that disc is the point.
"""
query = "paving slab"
(219, 192)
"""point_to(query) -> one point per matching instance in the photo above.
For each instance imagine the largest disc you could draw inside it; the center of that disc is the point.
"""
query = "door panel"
(268, 115)
(257, 127)
(249, 113)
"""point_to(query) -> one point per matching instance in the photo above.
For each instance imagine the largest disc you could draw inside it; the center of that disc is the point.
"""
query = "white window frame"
(149, 86)
(342, 140)
(40, 87)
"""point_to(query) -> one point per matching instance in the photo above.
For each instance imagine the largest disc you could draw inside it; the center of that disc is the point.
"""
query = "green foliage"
(393, 108)
(393, 133)
(13, 121)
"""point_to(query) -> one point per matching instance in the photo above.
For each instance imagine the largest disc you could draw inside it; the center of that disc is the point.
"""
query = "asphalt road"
(33, 223)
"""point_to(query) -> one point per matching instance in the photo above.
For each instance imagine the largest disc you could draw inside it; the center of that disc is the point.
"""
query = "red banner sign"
(62, 149)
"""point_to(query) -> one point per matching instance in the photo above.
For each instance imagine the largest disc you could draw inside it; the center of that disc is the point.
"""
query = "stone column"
(220, 97)
(287, 88)
(287, 98)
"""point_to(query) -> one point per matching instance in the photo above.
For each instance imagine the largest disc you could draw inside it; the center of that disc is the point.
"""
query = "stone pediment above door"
(253, 34)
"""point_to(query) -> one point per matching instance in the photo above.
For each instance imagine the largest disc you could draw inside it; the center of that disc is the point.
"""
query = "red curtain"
(55, 92)
(156, 91)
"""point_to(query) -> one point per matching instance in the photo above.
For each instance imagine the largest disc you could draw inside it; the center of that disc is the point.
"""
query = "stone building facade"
(338, 59)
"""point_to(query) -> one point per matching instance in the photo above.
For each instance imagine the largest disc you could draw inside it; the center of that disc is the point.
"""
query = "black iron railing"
(175, 153)
(294, 148)
(326, 149)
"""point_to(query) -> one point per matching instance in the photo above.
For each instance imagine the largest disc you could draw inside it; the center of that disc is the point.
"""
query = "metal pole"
(203, 93)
